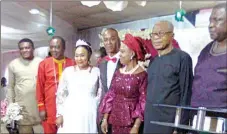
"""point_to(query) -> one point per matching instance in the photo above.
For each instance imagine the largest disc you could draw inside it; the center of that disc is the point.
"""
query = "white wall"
(6, 58)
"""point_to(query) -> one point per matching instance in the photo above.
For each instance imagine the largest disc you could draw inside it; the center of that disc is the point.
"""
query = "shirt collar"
(59, 61)
(117, 55)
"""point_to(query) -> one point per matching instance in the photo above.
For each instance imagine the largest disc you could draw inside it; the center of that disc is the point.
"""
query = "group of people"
(117, 95)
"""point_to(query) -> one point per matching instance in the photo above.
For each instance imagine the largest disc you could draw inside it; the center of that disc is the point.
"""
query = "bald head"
(112, 30)
(111, 41)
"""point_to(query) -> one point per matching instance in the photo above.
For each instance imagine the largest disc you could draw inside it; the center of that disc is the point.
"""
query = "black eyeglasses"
(159, 34)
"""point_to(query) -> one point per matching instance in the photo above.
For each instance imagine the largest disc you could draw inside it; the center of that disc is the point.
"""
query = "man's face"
(56, 48)
(161, 36)
(111, 41)
(26, 50)
(218, 24)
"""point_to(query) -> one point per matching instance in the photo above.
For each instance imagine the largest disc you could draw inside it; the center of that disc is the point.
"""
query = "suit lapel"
(105, 75)
(119, 65)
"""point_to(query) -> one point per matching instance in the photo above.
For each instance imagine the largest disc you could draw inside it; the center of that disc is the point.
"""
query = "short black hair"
(88, 48)
(3, 81)
(60, 38)
(26, 40)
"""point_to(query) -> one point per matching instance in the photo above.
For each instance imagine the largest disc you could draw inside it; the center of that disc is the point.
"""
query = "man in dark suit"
(111, 62)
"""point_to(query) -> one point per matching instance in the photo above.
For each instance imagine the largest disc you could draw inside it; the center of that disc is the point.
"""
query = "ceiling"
(83, 17)
(71, 15)
(18, 23)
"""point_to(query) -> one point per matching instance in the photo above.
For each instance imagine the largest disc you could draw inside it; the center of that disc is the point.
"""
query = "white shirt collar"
(117, 55)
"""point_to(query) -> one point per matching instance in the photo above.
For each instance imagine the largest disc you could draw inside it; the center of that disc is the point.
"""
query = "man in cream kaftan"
(22, 85)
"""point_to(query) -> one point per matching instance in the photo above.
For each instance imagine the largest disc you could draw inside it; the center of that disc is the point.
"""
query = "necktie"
(111, 59)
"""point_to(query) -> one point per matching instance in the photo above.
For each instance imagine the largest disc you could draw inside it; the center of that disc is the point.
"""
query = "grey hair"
(170, 25)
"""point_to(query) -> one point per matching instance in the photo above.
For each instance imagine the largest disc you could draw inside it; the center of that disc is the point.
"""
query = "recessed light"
(34, 11)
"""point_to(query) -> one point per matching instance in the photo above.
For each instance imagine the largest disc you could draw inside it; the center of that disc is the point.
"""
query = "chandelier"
(112, 5)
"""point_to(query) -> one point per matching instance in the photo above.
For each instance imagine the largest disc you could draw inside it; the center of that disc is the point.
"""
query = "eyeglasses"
(159, 34)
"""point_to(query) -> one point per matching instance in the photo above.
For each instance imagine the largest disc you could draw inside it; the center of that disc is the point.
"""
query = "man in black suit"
(111, 62)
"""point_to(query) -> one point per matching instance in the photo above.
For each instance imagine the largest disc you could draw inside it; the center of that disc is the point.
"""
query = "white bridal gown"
(78, 97)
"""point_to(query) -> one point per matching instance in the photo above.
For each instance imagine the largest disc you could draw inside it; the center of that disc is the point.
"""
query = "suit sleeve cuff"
(41, 106)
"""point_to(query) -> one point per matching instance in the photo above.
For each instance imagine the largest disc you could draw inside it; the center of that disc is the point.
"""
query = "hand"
(134, 130)
(59, 121)
(104, 126)
(42, 115)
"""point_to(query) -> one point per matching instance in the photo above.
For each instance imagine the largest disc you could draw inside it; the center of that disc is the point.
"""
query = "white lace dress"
(78, 97)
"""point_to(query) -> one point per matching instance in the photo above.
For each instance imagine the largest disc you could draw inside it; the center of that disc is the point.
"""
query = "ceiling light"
(141, 3)
(116, 5)
(90, 3)
(34, 11)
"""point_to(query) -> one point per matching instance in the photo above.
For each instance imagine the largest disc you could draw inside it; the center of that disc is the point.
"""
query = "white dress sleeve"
(62, 93)
(99, 88)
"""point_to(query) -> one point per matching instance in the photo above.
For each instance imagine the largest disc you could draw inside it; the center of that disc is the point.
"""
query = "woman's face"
(125, 54)
(81, 57)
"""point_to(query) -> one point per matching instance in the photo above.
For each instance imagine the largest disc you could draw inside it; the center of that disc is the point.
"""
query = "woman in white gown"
(79, 94)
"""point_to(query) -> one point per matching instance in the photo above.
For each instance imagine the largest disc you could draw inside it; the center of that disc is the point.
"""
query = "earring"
(131, 57)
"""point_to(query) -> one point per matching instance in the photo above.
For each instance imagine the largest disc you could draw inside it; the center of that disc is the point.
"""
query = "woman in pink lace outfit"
(123, 105)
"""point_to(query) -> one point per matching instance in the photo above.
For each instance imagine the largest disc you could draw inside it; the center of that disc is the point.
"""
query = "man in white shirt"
(111, 62)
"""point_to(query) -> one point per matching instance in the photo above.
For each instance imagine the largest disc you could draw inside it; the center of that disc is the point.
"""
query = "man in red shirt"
(49, 73)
